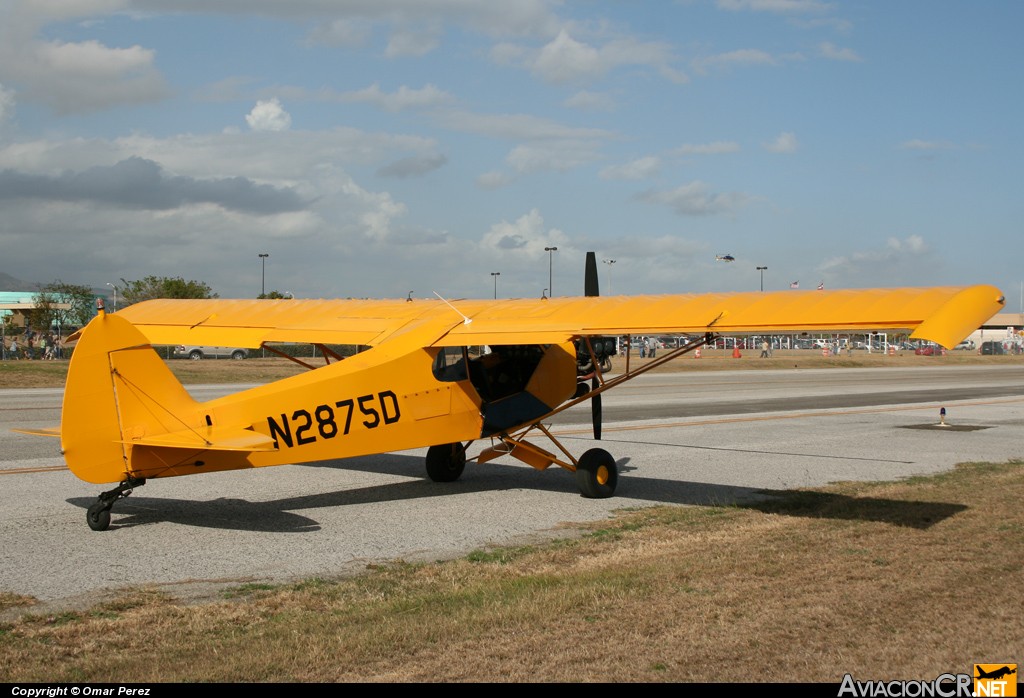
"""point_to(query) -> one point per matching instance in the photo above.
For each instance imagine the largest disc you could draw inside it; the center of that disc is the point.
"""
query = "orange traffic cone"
(736, 353)
(696, 353)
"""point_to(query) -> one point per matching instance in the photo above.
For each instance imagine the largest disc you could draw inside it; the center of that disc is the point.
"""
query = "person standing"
(652, 347)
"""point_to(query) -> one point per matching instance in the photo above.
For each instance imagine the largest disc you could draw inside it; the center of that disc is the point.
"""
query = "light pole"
(263, 282)
(761, 269)
(495, 274)
(549, 250)
(609, 262)
(115, 295)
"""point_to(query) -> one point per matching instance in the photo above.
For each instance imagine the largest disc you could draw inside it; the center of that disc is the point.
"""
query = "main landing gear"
(446, 462)
(98, 515)
(597, 474)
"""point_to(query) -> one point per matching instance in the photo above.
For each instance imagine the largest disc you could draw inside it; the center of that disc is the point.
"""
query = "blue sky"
(373, 147)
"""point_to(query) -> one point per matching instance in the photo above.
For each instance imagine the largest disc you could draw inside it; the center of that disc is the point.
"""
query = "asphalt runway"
(710, 439)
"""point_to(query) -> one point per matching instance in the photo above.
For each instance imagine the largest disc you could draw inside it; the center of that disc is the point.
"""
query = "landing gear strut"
(98, 515)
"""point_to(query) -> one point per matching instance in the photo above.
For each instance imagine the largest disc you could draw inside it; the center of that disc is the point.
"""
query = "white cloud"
(695, 199)
(525, 236)
(590, 101)
(566, 59)
(918, 144)
(80, 77)
(269, 115)
(713, 148)
(493, 180)
(415, 166)
(911, 260)
(519, 127)
(833, 52)
(6, 104)
(402, 98)
(641, 168)
(553, 156)
(784, 6)
(783, 143)
(739, 57)
(414, 42)
(342, 32)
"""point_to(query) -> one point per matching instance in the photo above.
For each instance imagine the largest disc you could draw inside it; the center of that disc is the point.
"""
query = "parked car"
(966, 345)
(196, 353)
(928, 349)
(992, 348)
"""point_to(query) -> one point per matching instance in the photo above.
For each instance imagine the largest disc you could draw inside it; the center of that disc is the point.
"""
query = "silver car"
(196, 352)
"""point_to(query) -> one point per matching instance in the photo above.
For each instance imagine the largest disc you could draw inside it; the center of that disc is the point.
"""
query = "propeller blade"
(590, 288)
(590, 276)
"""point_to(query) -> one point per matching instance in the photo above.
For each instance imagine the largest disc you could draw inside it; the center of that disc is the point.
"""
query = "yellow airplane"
(421, 382)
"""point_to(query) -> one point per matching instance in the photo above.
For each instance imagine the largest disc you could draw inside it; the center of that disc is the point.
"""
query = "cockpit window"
(451, 363)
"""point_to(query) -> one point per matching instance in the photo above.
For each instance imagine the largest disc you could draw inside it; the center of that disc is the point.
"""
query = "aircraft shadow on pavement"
(279, 515)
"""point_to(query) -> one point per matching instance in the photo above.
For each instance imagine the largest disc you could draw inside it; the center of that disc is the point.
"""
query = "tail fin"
(118, 391)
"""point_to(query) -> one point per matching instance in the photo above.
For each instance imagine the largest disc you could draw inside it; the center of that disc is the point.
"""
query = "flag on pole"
(795, 284)
(821, 285)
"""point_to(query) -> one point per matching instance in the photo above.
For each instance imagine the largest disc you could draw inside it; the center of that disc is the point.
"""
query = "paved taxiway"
(688, 438)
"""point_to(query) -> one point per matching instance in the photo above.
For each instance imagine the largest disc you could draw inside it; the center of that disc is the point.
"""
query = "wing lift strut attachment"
(596, 470)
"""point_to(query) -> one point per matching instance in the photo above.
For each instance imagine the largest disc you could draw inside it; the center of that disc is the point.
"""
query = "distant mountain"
(9, 283)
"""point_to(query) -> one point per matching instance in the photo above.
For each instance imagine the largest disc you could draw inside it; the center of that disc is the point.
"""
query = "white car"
(196, 352)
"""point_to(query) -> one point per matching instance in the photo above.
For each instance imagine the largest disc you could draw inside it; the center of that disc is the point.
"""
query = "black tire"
(446, 462)
(238, 355)
(606, 365)
(195, 355)
(98, 517)
(597, 474)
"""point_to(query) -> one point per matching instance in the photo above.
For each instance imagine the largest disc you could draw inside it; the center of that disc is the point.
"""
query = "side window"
(450, 364)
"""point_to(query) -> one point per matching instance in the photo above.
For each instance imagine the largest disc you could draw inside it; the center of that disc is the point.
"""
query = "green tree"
(162, 287)
(274, 294)
(52, 298)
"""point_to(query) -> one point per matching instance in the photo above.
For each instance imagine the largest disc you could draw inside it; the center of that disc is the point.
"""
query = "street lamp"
(115, 295)
(495, 274)
(761, 269)
(609, 262)
(549, 250)
(263, 283)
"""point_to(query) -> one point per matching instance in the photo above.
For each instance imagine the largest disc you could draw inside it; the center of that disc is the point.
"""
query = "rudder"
(118, 389)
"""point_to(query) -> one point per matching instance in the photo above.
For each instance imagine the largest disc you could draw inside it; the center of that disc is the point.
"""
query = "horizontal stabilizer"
(45, 431)
(209, 439)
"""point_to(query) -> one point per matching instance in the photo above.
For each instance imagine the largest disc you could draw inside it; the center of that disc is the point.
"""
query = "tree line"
(50, 301)
(49, 308)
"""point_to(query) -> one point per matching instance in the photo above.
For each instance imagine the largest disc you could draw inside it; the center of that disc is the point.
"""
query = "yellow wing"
(944, 315)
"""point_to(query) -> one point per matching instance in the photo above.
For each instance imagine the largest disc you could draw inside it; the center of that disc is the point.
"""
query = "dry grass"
(881, 580)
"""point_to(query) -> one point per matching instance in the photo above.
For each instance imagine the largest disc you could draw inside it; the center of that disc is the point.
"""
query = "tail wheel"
(597, 474)
(98, 516)
(446, 462)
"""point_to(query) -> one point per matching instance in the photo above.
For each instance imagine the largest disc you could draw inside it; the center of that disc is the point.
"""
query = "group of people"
(648, 346)
(34, 345)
